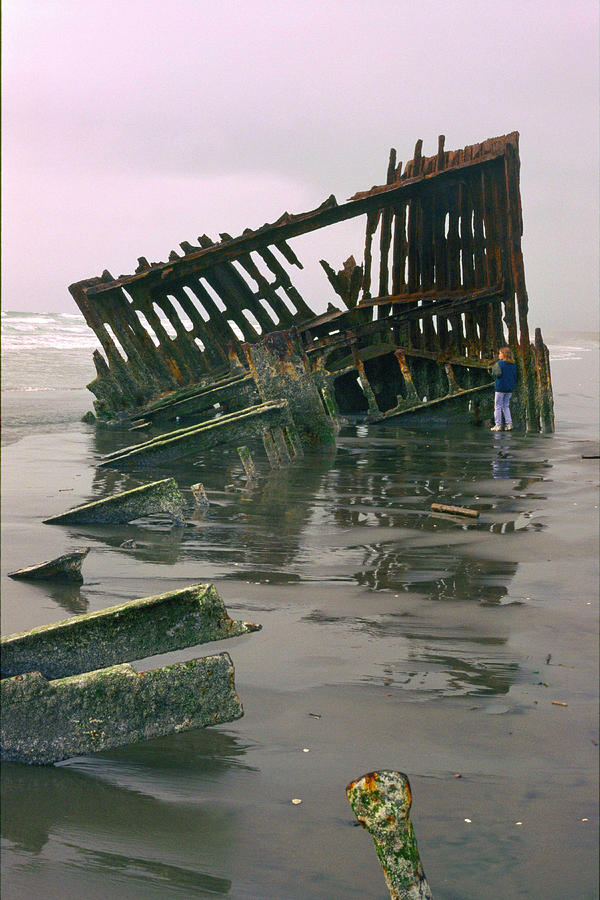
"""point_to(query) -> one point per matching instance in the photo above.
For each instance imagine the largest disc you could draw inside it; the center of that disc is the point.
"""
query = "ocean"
(390, 639)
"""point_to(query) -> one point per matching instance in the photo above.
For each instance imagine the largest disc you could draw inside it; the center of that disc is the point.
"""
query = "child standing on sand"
(505, 373)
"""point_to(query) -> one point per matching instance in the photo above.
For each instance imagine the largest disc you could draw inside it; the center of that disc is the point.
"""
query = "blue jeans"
(502, 408)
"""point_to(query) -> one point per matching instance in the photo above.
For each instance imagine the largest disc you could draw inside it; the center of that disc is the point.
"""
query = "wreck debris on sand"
(381, 802)
(63, 568)
(419, 332)
(146, 500)
(68, 688)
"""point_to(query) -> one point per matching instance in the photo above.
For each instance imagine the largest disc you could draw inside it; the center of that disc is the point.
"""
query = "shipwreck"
(218, 337)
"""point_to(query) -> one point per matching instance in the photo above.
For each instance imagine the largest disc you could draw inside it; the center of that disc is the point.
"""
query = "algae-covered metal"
(63, 568)
(182, 442)
(132, 630)
(45, 721)
(381, 802)
(149, 499)
(417, 333)
(68, 688)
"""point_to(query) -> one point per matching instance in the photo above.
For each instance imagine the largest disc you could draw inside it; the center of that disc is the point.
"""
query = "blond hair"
(505, 353)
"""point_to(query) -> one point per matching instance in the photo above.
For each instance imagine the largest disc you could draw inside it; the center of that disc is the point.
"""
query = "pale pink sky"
(130, 126)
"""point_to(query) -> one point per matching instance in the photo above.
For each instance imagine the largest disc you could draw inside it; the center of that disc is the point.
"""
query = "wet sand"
(391, 638)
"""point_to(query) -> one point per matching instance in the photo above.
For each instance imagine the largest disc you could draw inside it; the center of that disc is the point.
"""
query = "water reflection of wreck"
(445, 234)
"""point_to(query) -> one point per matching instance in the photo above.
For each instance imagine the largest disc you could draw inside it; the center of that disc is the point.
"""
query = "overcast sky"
(131, 125)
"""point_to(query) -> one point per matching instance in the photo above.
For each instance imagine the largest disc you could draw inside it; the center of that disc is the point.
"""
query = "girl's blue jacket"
(506, 376)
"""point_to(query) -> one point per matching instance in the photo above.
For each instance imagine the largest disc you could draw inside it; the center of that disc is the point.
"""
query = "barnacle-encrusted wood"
(422, 329)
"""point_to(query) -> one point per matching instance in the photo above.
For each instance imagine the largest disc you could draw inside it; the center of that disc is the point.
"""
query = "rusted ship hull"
(415, 332)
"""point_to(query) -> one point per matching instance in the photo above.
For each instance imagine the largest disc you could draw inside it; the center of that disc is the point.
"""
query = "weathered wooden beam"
(455, 510)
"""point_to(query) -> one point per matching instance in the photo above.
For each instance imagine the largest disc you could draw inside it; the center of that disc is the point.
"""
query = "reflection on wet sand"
(113, 799)
(440, 575)
(68, 596)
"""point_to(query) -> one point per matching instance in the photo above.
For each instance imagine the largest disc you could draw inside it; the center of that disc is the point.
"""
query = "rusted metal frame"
(451, 302)
(168, 348)
(481, 270)
(493, 332)
(219, 279)
(371, 227)
(496, 182)
(430, 337)
(426, 404)
(386, 231)
(453, 240)
(288, 253)
(471, 334)
(118, 314)
(113, 385)
(130, 380)
(471, 338)
(404, 300)
(456, 338)
(250, 300)
(438, 238)
(461, 361)
(223, 333)
(414, 210)
(414, 235)
(490, 215)
(211, 356)
(215, 333)
(466, 205)
(493, 252)
(427, 266)
(350, 335)
(303, 309)
(329, 213)
(253, 297)
(411, 391)
(515, 230)
(442, 332)
(199, 400)
(440, 159)
(441, 206)
(105, 387)
(156, 369)
(367, 390)
(266, 292)
(399, 250)
(544, 383)
(481, 317)
(227, 282)
(187, 350)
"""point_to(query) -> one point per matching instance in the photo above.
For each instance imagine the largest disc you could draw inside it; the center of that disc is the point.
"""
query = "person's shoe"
(508, 427)
(496, 428)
